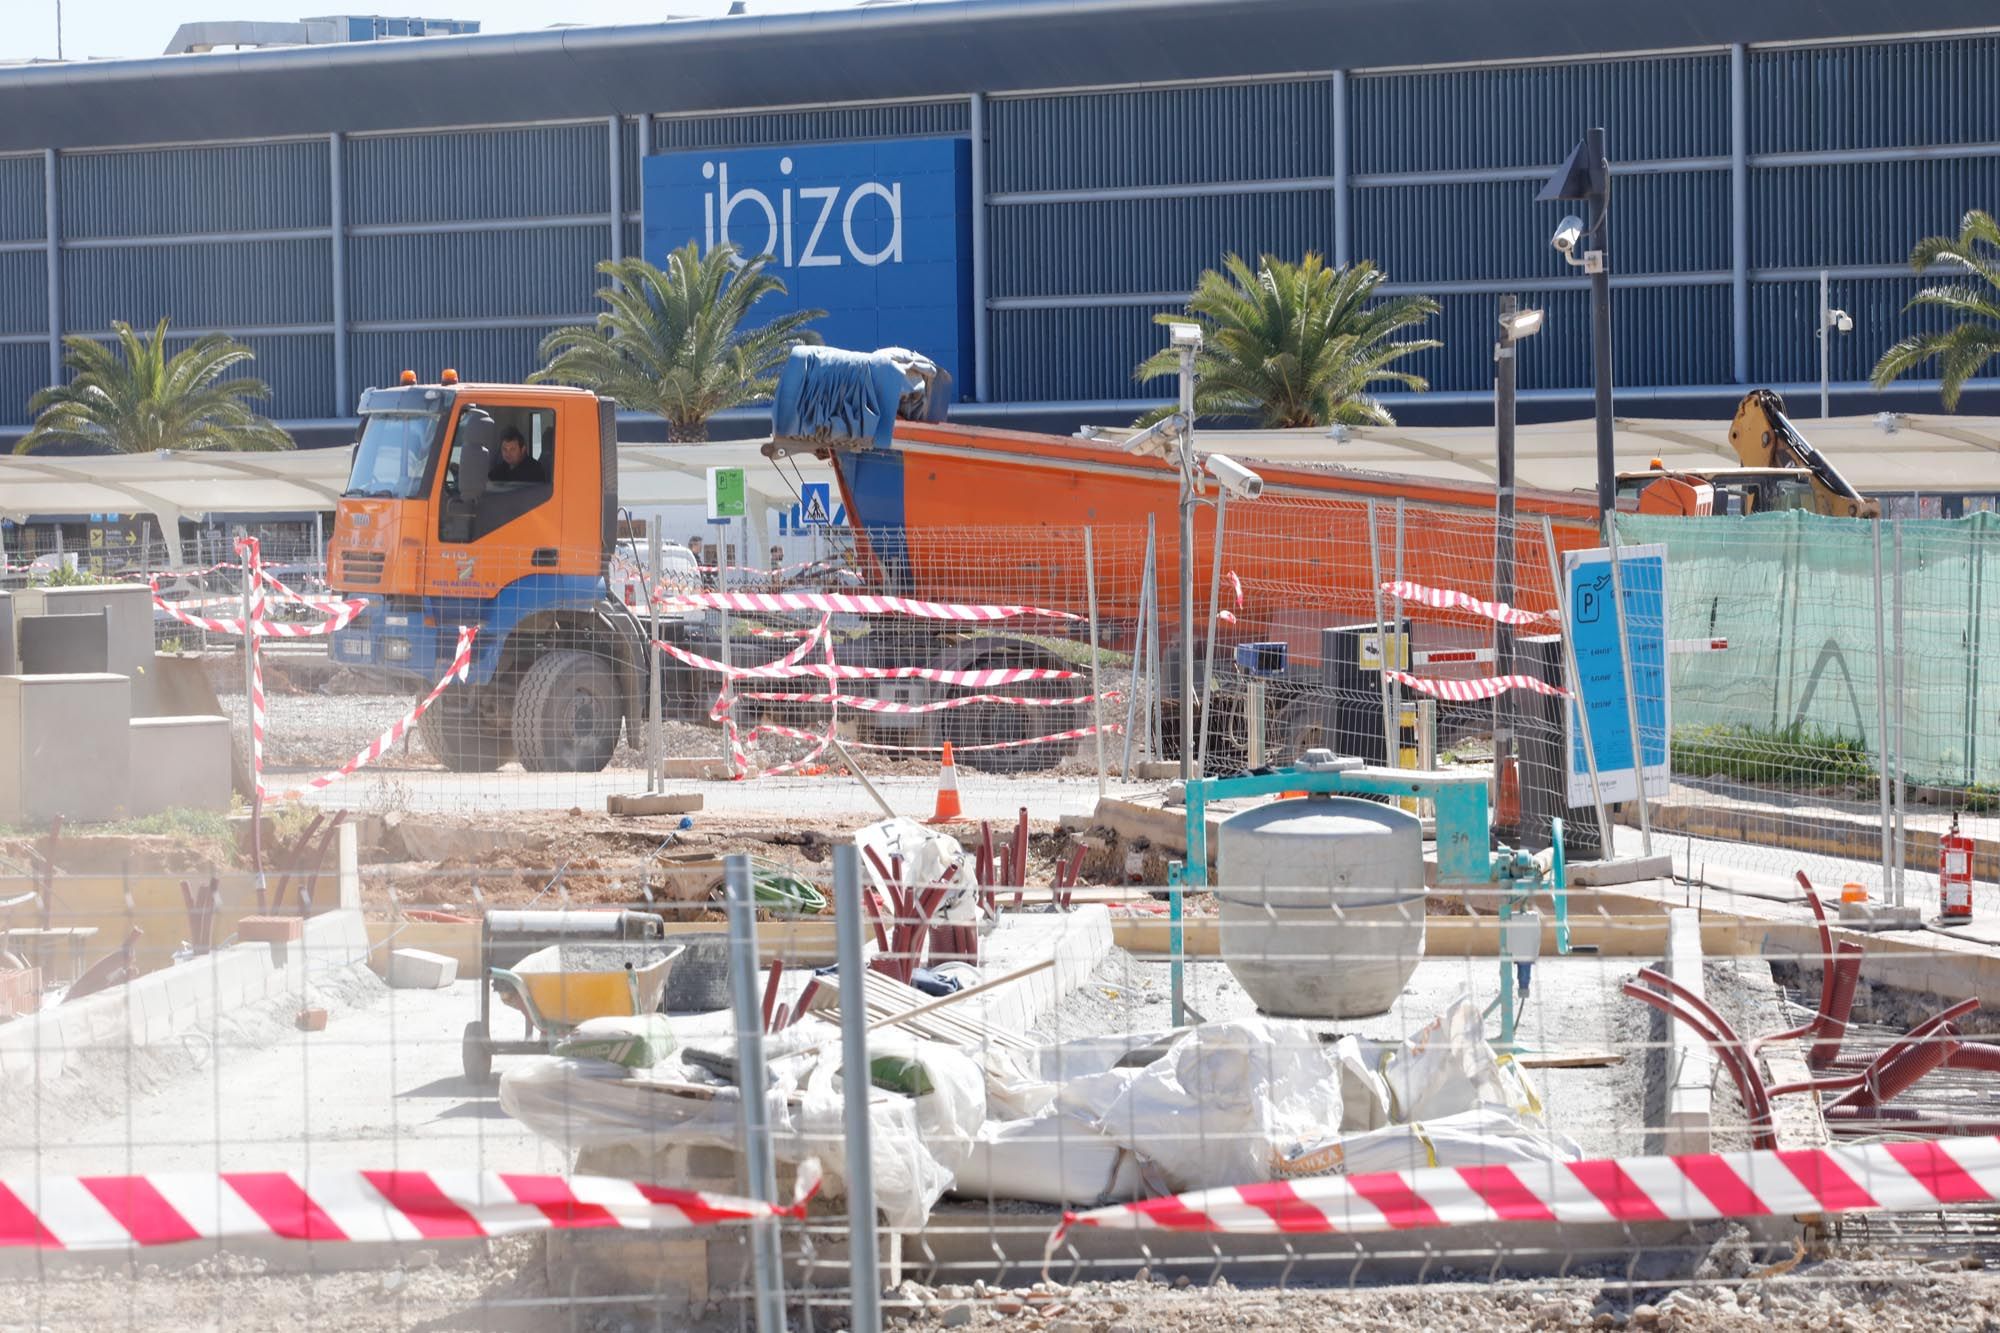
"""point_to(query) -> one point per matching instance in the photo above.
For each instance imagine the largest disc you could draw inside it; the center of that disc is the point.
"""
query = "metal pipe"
(1503, 534)
(1187, 562)
(1739, 213)
(1820, 333)
(982, 348)
(616, 126)
(1882, 712)
(1607, 847)
(862, 1254)
(655, 735)
(1096, 671)
(1898, 785)
(253, 603)
(1381, 639)
(752, 1082)
(1343, 226)
(1631, 695)
(1600, 330)
(728, 681)
(52, 259)
(1154, 721)
(1214, 607)
(336, 195)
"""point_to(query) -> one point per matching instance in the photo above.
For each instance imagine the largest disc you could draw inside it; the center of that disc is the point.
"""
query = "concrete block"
(311, 1020)
(1690, 1063)
(336, 939)
(64, 747)
(20, 992)
(656, 803)
(128, 612)
(699, 770)
(179, 763)
(1623, 870)
(414, 969)
(271, 929)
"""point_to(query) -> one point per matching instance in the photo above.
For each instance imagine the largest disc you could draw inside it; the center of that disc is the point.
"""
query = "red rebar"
(771, 991)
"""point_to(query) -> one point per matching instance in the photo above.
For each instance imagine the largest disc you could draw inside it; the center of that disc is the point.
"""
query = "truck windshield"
(394, 453)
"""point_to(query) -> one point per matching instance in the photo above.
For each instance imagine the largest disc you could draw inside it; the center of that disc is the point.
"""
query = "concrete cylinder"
(1322, 904)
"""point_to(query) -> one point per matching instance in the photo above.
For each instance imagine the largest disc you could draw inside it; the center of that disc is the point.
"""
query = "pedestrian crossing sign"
(815, 504)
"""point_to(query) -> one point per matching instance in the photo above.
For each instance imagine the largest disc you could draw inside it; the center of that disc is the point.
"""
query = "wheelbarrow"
(562, 985)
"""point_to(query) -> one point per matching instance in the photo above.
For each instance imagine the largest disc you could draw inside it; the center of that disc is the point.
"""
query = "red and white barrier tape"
(782, 670)
(78, 1213)
(797, 733)
(782, 667)
(253, 574)
(461, 666)
(1449, 599)
(1878, 1177)
(855, 604)
(1697, 645)
(338, 612)
(1471, 691)
(934, 706)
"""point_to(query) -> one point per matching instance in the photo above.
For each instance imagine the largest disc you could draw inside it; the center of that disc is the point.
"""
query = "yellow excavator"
(1781, 470)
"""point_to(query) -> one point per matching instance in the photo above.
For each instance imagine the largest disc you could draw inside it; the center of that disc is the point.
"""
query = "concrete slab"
(414, 969)
(128, 611)
(179, 763)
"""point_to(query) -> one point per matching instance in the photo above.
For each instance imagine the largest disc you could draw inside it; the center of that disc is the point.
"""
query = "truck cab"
(490, 506)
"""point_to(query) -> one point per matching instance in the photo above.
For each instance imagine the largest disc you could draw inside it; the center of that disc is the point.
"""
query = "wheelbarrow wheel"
(477, 1051)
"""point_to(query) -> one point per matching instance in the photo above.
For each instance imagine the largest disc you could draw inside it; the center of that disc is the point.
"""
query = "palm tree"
(1295, 344)
(1963, 348)
(673, 341)
(132, 398)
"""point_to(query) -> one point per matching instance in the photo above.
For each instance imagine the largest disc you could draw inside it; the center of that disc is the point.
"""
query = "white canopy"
(207, 484)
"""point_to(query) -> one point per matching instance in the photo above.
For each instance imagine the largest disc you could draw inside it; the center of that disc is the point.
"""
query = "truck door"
(512, 527)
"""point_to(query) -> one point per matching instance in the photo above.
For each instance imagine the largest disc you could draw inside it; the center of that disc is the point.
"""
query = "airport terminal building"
(1016, 186)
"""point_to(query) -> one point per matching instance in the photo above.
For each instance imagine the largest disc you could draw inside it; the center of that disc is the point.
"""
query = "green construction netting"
(1796, 595)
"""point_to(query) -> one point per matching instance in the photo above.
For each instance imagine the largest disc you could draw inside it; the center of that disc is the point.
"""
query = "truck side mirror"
(478, 439)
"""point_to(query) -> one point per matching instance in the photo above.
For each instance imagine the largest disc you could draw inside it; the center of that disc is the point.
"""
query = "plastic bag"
(1487, 1136)
(1214, 1109)
(1053, 1159)
(1448, 1068)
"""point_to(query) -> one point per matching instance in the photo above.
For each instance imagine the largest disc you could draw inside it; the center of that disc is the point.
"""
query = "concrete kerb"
(1690, 1064)
(166, 1003)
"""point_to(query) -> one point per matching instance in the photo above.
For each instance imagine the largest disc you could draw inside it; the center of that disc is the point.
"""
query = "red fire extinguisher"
(1955, 874)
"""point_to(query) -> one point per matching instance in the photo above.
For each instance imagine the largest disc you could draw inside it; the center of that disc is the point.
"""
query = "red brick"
(270, 929)
(312, 1020)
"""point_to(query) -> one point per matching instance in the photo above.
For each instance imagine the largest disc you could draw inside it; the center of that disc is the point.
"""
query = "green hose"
(780, 890)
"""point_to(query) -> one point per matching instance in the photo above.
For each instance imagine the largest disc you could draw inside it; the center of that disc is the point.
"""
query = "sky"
(102, 29)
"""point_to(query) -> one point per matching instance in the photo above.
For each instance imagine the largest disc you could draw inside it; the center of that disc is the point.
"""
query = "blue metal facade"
(345, 258)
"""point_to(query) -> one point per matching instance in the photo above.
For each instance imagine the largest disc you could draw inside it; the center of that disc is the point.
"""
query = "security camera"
(1233, 477)
(1841, 320)
(1568, 232)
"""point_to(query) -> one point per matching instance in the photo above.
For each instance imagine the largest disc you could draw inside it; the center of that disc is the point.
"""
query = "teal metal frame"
(1466, 857)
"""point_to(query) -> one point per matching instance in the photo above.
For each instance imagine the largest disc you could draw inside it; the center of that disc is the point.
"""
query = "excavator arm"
(1763, 436)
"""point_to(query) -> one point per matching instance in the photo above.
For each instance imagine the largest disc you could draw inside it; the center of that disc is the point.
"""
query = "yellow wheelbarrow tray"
(562, 985)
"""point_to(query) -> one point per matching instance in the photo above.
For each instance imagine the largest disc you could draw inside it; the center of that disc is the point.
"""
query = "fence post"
(754, 1106)
(1096, 676)
(1154, 702)
(655, 726)
(1132, 717)
(863, 1259)
(722, 585)
(1901, 780)
(1389, 746)
(1631, 698)
(1882, 716)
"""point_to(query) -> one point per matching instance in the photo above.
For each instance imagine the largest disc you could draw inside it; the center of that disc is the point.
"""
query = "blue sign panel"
(1600, 663)
(878, 235)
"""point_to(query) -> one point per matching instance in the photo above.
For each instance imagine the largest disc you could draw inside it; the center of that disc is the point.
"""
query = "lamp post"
(1586, 176)
(1516, 325)
(1830, 320)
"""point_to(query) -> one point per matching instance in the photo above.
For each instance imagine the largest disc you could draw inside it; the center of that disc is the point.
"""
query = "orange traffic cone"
(948, 808)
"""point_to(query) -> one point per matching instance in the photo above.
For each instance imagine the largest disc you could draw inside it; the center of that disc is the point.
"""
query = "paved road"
(983, 796)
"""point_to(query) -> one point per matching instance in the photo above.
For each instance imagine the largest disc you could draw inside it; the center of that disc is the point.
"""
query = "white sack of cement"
(1364, 1093)
(1487, 1136)
(1448, 1067)
(1214, 1109)
(1053, 1159)
(928, 856)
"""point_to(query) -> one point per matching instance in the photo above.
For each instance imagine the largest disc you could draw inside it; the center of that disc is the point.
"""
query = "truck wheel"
(462, 739)
(978, 725)
(567, 713)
